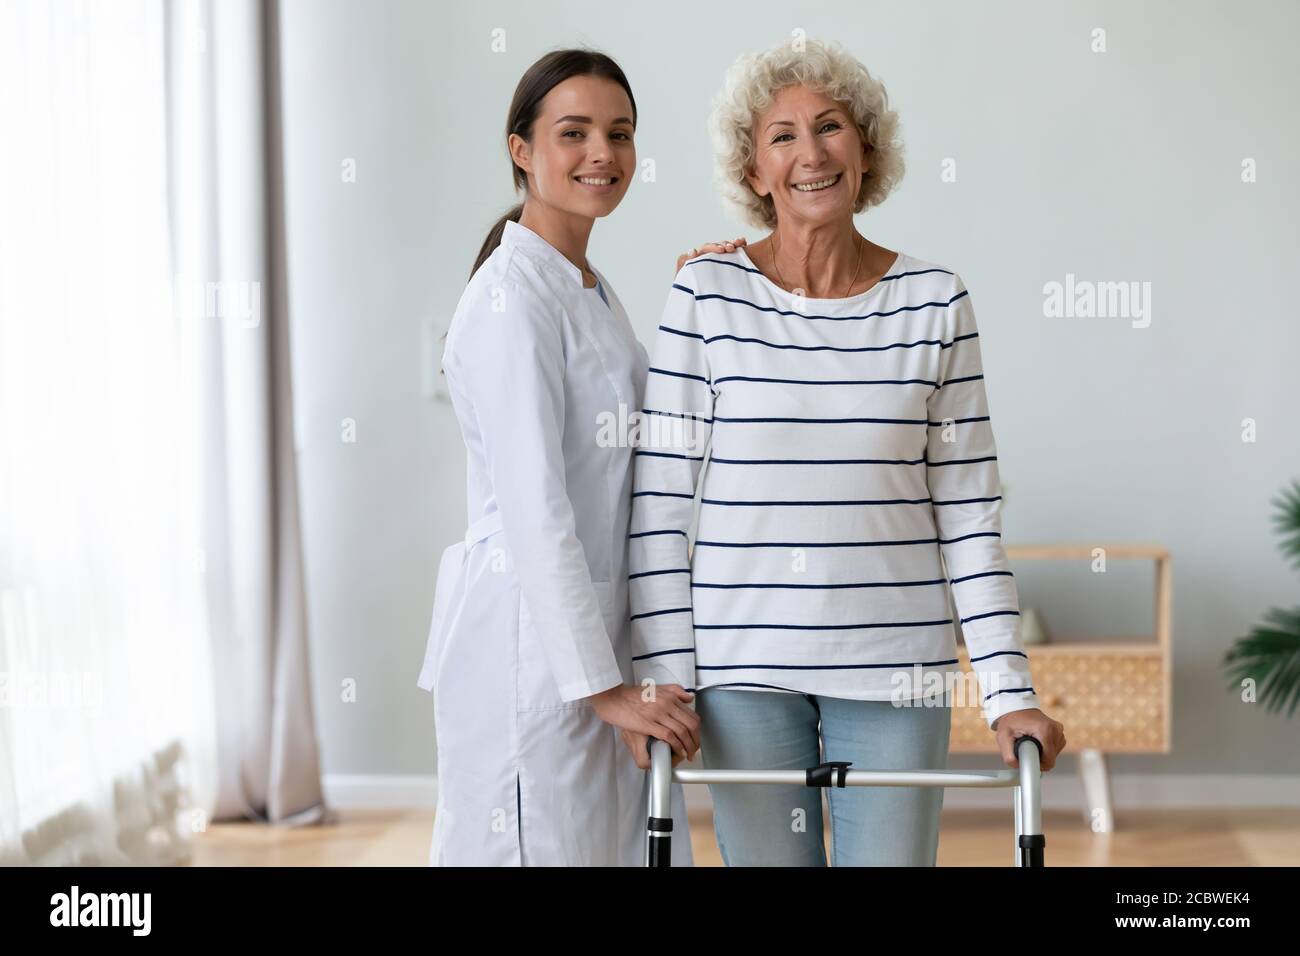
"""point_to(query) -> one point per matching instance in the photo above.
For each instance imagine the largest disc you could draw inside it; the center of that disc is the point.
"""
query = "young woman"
(529, 655)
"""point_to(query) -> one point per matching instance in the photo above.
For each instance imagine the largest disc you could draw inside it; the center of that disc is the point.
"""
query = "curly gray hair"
(750, 86)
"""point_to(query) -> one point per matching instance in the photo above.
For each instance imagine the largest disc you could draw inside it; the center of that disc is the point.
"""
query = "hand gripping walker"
(1025, 786)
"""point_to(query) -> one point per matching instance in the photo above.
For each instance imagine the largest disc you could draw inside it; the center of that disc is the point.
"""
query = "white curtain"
(153, 637)
(106, 729)
(226, 200)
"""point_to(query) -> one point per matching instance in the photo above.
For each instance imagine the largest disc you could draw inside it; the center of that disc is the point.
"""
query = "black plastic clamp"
(820, 775)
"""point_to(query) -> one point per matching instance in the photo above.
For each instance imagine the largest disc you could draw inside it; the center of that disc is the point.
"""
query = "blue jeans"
(780, 825)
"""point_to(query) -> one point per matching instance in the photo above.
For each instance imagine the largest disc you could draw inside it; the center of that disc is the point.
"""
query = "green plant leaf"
(1270, 655)
(1287, 521)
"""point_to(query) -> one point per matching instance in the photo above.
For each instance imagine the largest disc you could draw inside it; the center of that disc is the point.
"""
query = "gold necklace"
(857, 241)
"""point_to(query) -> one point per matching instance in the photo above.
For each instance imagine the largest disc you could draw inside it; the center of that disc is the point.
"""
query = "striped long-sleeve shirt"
(850, 500)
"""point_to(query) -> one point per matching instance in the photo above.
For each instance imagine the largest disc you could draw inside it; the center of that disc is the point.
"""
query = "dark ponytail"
(542, 77)
(494, 236)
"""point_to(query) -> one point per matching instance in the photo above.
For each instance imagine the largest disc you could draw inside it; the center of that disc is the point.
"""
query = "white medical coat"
(531, 610)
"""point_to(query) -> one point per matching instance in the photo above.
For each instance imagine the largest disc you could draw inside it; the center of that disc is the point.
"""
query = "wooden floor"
(1246, 837)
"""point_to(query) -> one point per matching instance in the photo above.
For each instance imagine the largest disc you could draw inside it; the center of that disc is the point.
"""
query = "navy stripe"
(646, 534)
(664, 371)
(968, 378)
(1009, 690)
(802, 381)
(968, 501)
(984, 657)
(828, 421)
(723, 262)
(982, 574)
(819, 348)
(814, 544)
(816, 461)
(826, 587)
(689, 335)
(814, 627)
(745, 268)
(960, 421)
(646, 574)
(976, 617)
(661, 494)
(671, 610)
(695, 418)
(675, 650)
(963, 461)
(818, 667)
(767, 504)
(830, 318)
(966, 537)
(666, 454)
(683, 288)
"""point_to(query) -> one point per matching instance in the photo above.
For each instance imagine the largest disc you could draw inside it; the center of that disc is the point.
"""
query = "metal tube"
(661, 778)
(659, 839)
(1015, 802)
(1031, 820)
(860, 778)
(1029, 841)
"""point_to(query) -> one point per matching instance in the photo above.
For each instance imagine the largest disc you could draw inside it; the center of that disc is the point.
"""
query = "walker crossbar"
(1024, 784)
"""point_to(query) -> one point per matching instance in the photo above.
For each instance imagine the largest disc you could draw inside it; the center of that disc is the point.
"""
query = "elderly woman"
(852, 486)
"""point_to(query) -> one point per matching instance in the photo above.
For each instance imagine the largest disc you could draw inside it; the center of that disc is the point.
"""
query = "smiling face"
(582, 153)
(809, 157)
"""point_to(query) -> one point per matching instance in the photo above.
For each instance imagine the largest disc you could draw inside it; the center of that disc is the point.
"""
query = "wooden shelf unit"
(1114, 694)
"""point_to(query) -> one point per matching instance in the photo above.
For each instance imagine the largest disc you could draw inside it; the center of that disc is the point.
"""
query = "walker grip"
(1015, 746)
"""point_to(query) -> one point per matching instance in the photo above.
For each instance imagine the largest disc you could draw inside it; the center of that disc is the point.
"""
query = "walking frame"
(1025, 785)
